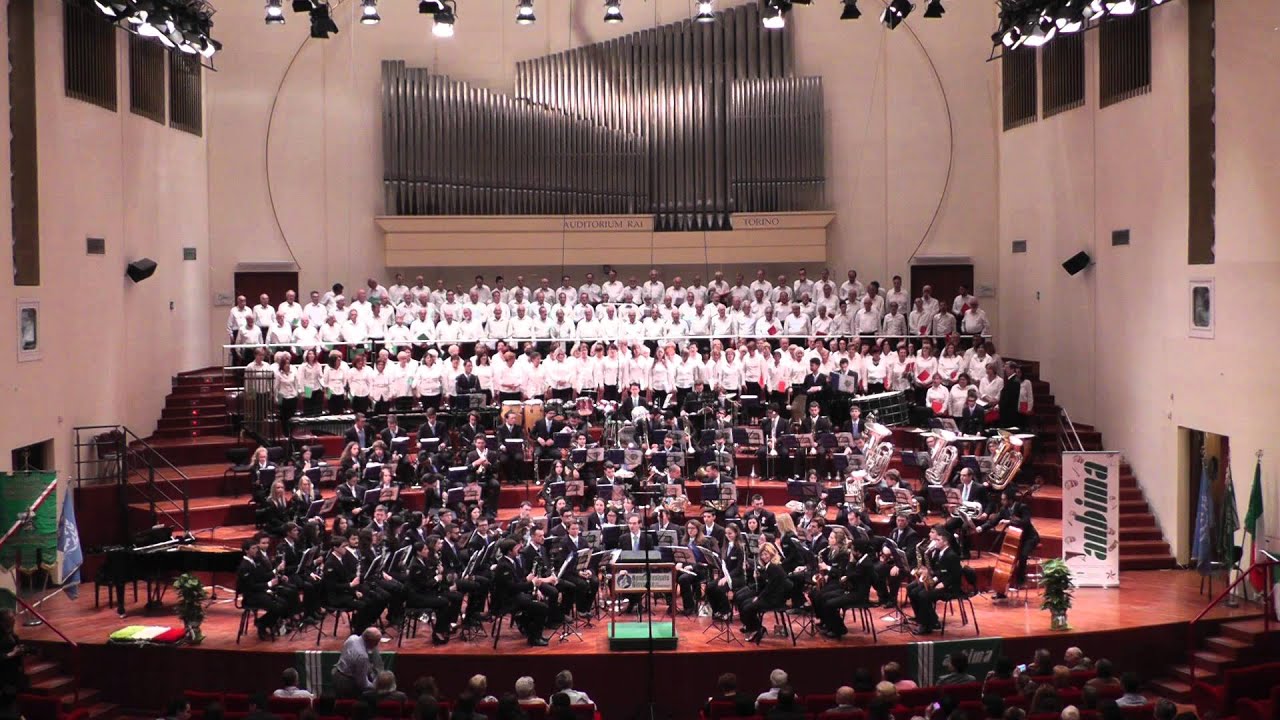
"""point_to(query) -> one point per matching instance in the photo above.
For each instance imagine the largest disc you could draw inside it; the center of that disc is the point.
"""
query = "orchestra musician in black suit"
(342, 589)
(758, 511)
(772, 589)
(855, 424)
(816, 379)
(428, 587)
(514, 588)
(467, 383)
(970, 492)
(256, 583)
(536, 556)
(733, 559)
(392, 431)
(773, 428)
(455, 556)
(906, 539)
(634, 538)
(972, 416)
(691, 578)
(579, 589)
(941, 579)
(350, 494)
(633, 399)
(468, 433)
(544, 440)
(360, 433)
(482, 464)
(511, 455)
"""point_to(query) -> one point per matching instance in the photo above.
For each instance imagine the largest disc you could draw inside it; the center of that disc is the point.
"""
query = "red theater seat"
(1254, 682)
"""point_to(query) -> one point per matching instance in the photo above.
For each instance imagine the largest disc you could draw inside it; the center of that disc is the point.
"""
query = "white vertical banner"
(1091, 517)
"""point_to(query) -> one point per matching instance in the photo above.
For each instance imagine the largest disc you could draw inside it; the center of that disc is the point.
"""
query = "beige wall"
(1113, 340)
(109, 346)
(888, 140)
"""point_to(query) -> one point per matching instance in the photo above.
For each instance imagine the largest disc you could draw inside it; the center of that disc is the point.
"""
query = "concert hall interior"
(670, 215)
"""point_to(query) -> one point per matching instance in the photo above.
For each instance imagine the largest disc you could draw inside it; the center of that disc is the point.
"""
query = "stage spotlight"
(1114, 7)
(443, 27)
(322, 24)
(896, 12)
(934, 9)
(430, 7)
(706, 12)
(112, 8)
(303, 6)
(613, 11)
(369, 12)
(850, 11)
(1038, 31)
(1072, 16)
(524, 12)
(774, 15)
(275, 13)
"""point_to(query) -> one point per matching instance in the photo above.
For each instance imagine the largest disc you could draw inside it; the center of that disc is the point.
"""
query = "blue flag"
(1202, 545)
(69, 546)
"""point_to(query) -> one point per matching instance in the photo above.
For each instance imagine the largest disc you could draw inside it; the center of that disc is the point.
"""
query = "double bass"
(1007, 562)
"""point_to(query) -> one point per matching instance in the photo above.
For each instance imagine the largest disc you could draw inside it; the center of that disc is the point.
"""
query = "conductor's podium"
(630, 579)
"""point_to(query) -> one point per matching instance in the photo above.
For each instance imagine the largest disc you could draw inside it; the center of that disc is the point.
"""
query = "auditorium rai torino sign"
(533, 240)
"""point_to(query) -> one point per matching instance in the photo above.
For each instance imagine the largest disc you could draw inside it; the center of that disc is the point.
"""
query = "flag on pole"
(1229, 523)
(1202, 544)
(69, 546)
(1254, 528)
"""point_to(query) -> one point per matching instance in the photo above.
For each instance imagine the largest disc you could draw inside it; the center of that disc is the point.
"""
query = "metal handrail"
(1267, 608)
(49, 490)
(1069, 429)
(147, 456)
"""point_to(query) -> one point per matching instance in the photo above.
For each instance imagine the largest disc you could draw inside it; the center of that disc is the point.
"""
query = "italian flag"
(1254, 528)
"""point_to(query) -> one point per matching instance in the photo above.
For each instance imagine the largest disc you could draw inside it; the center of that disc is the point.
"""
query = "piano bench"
(100, 582)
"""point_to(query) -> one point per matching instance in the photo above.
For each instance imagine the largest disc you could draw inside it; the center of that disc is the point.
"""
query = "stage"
(1141, 625)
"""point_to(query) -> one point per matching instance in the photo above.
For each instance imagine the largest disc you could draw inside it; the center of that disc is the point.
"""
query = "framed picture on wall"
(28, 330)
(1202, 308)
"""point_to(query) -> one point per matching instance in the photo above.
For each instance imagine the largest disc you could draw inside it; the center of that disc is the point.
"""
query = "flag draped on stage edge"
(1202, 545)
(1255, 529)
(69, 546)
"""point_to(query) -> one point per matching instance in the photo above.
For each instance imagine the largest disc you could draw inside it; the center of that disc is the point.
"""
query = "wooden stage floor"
(1141, 625)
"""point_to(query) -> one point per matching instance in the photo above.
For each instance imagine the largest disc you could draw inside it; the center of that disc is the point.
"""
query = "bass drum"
(533, 413)
(511, 406)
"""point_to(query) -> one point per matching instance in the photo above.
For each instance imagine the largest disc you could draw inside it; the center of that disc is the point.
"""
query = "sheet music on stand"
(684, 556)
(667, 538)
(574, 488)
(571, 559)
(753, 543)
(594, 538)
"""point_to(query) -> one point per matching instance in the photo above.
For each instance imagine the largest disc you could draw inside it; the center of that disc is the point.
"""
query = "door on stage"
(944, 279)
(274, 284)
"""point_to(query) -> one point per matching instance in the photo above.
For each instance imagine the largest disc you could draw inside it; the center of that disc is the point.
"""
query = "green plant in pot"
(1056, 584)
(190, 608)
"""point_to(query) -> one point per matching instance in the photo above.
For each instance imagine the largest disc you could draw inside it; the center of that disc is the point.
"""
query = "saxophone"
(923, 572)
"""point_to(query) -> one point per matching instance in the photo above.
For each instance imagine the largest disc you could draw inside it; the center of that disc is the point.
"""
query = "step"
(1143, 547)
(202, 393)
(195, 451)
(103, 711)
(1162, 561)
(189, 411)
(1140, 534)
(39, 670)
(221, 428)
(1183, 673)
(1213, 662)
(194, 421)
(1228, 646)
(1133, 506)
(186, 381)
(87, 697)
(54, 685)
(1251, 631)
(1137, 520)
(1171, 688)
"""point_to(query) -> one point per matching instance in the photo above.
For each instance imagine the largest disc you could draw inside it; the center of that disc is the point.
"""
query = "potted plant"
(191, 599)
(1056, 584)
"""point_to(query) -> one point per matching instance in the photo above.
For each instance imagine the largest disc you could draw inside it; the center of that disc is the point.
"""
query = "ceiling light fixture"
(274, 13)
(369, 12)
(524, 13)
(613, 11)
(706, 12)
(322, 24)
(443, 27)
(430, 7)
(774, 15)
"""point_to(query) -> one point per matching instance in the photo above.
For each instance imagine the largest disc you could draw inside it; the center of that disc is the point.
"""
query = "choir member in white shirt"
(236, 318)
(563, 328)
(803, 285)
(479, 289)
(768, 325)
(851, 289)
(429, 382)
(559, 375)
(740, 290)
(821, 325)
(353, 331)
(977, 361)
(484, 372)
(590, 288)
(373, 290)
(920, 321)
(397, 290)
(698, 322)
(588, 328)
(875, 372)
(521, 325)
(893, 324)
(989, 387)
(718, 289)
(961, 302)
(508, 378)
(311, 378)
(332, 297)
(290, 307)
(959, 395)
(925, 371)
(360, 384)
(611, 290)
(728, 373)
(828, 298)
(950, 364)
(288, 386)
(398, 336)
(315, 310)
(897, 294)
(653, 289)
(975, 320)
(280, 336)
(361, 304)
(877, 297)
(762, 284)
(384, 374)
(248, 335)
(263, 314)
(867, 320)
(334, 380)
(401, 373)
(722, 325)
(611, 366)
(375, 326)
(796, 325)
(938, 398)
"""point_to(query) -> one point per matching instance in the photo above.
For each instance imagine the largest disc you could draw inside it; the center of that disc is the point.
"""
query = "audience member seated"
(526, 693)
(258, 708)
(887, 692)
(993, 706)
(1075, 659)
(561, 708)
(179, 709)
(957, 663)
(1046, 700)
(291, 690)
(892, 672)
(878, 709)
(1131, 697)
(1070, 712)
(384, 688)
(786, 707)
(727, 692)
(1105, 678)
(509, 708)
(478, 686)
(1015, 713)
(1061, 677)
(1042, 664)
(844, 702)
(777, 679)
(465, 707)
(564, 684)
(862, 680)
(1165, 710)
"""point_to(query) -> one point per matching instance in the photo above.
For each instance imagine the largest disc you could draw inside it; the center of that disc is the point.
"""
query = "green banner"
(926, 658)
(17, 491)
(314, 666)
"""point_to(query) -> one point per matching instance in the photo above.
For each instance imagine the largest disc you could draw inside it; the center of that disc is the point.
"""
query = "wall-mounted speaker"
(1076, 263)
(140, 270)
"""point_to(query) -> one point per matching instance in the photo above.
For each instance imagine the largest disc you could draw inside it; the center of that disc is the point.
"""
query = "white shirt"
(893, 324)
(938, 399)
(397, 292)
(290, 385)
(360, 380)
(796, 324)
(958, 305)
(944, 324)
(851, 291)
(958, 397)
(899, 296)
(653, 290)
(975, 321)
(235, 319)
(292, 311)
(611, 291)
(264, 315)
(866, 321)
(429, 380)
(989, 389)
(279, 335)
(316, 313)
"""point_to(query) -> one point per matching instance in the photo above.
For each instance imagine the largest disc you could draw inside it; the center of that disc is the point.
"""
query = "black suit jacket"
(971, 421)
(351, 436)
(467, 384)
(946, 568)
(468, 433)
(820, 424)
(624, 409)
(624, 542)
(540, 431)
(505, 433)
(387, 435)
(977, 493)
(772, 428)
(906, 541)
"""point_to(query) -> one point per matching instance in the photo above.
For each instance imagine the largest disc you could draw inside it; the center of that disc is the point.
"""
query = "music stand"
(457, 475)
(321, 507)
(555, 489)
(371, 496)
(708, 493)
(562, 440)
(668, 538)
(802, 490)
(936, 495)
(610, 534)
(617, 456)
(372, 472)
(431, 444)
(900, 623)
(594, 538)
(835, 494)
(578, 456)
(454, 496)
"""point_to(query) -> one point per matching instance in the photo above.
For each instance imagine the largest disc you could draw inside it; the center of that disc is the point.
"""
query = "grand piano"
(158, 563)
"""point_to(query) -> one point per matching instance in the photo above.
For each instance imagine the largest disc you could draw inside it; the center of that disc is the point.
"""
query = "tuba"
(873, 433)
(943, 457)
(1006, 459)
